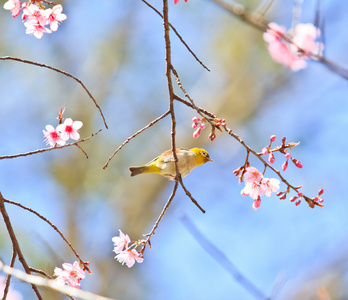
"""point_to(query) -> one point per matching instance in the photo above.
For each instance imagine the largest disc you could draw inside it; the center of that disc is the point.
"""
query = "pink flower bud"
(287, 155)
(321, 200)
(279, 194)
(283, 197)
(264, 151)
(298, 203)
(271, 158)
(197, 133)
(285, 165)
(272, 138)
(257, 203)
(195, 120)
(321, 191)
(202, 126)
(194, 125)
(292, 199)
(212, 136)
(300, 195)
(297, 163)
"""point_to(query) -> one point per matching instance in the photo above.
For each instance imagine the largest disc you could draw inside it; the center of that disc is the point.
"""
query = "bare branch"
(134, 135)
(49, 223)
(15, 243)
(178, 35)
(61, 72)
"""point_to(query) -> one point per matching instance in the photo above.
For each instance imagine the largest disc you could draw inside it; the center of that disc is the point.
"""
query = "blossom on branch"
(71, 274)
(256, 186)
(14, 6)
(53, 137)
(69, 129)
(292, 50)
(125, 254)
(37, 17)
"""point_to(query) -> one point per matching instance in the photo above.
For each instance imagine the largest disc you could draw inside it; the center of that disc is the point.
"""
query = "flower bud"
(271, 158)
(298, 203)
(195, 120)
(194, 125)
(212, 136)
(285, 165)
(202, 126)
(197, 133)
(297, 163)
(272, 138)
(321, 191)
(292, 199)
(264, 151)
(287, 155)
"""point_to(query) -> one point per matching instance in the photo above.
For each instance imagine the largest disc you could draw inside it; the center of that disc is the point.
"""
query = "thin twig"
(152, 232)
(49, 223)
(221, 258)
(15, 243)
(134, 135)
(190, 196)
(61, 72)
(8, 278)
(47, 149)
(178, 35)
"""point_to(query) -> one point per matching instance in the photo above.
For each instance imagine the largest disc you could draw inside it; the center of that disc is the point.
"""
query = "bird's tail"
(138, 170)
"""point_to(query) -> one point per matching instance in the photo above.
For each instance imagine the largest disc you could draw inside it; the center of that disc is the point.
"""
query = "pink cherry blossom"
(52, 136)
(34, 27)
(71, 275)
(289, 54)
(252, 174)
(304, 37)
(129, 257)
(253, 189)
(69, 129)
(55, 16)
(121, 242)
(32, 12)
(270, 185)
(14, 6)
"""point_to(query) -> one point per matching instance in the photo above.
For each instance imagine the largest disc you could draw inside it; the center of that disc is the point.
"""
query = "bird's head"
(202, 156)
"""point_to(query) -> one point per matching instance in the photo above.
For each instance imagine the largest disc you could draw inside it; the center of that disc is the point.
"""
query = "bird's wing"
(169, 154)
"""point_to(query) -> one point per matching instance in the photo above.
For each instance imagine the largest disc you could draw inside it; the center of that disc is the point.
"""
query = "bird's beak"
(209, 159)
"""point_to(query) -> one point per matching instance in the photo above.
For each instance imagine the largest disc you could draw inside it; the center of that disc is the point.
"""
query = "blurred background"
(117, 50)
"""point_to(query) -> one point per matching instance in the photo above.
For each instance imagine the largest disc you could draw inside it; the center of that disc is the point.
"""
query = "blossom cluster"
(293, 48)
(282, 149)
(61, 134)
(70, 275)
(126, 254)
(36, 17)
(256, 185)
(199, 125)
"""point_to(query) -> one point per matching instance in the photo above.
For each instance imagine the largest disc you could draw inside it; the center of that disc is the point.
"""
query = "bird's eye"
(205, 153)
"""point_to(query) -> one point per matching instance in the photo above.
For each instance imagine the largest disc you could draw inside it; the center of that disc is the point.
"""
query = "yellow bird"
(188, 159)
